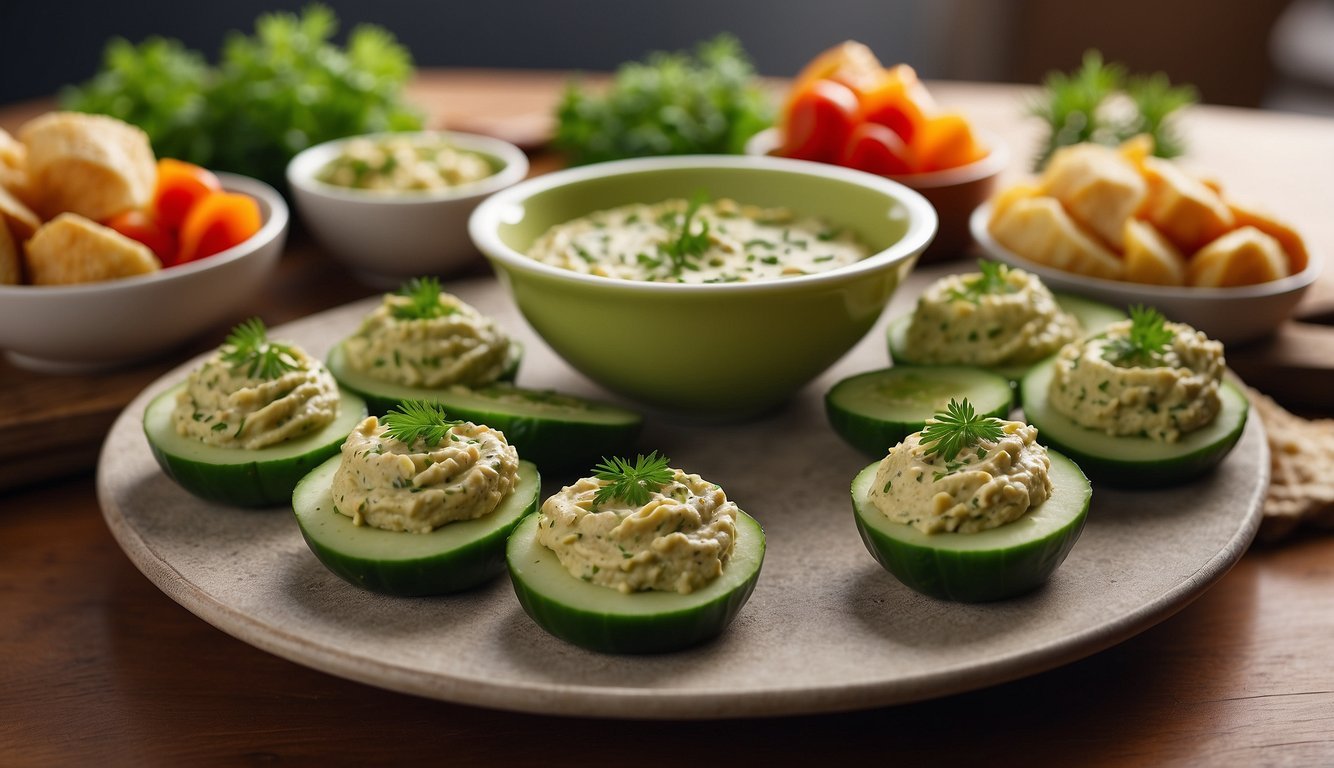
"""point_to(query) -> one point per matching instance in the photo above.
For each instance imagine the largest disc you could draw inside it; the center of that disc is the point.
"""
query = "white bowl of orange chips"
(1120, 225)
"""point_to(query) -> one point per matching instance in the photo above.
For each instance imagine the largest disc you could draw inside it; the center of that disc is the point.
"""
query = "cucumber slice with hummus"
(247, 478)
(994, 564)
(875, 410)
(548, 428)
(607, 620)
(1093, 316)
(454, 557)
(1134, 461)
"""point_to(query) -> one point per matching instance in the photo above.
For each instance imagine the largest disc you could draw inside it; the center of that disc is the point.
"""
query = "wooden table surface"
(99, 665)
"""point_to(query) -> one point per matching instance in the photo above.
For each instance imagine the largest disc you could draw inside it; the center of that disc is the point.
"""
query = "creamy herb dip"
(386, 483)
(224, 406)
(459, 346)
(725, 243)
(1000, 317)
(1176, 394)
(678, 541)
(412, 163)
(986, 486)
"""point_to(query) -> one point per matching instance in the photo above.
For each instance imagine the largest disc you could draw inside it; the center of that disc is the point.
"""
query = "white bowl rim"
(995, 161)
(232, 182)
(921, 221)
(977, 223)
(301, 170)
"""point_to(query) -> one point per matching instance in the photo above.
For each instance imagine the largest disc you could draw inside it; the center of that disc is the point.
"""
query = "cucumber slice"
(604, 619)
(989, 565)
(1093, 316)
(548, 428)
(875, 410)
(453, 557)
(1131, 461)
(236, 476)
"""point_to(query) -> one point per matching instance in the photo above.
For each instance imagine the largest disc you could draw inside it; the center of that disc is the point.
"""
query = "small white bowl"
(91, 326)
(1230, 315)
(389, 237)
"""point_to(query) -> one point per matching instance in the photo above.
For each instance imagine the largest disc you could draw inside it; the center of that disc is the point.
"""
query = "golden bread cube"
(1244, 256)
(92, 165)
(20, 218)
(72, 249)
(11, 269)
(1150, 257)
(1189, 213)
(1294, 248)
(1098, 186)
(1038, 228)
(1017, 192)
(13, 165)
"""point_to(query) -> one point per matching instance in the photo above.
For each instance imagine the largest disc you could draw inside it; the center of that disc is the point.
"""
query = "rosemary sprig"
(956, 428)
(248, 350)
(632, 484)
(685, 246)
(414, 420)
(991, 281)
(1144, 344)
(424, 300)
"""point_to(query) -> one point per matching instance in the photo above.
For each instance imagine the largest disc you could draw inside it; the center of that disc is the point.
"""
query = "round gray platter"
(826, 629)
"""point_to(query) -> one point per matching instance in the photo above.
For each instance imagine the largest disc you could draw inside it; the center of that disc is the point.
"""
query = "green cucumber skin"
(874, 436)
(245, 484)
(455, 570)
(969, 576)
(625, 634)
(1131, 473)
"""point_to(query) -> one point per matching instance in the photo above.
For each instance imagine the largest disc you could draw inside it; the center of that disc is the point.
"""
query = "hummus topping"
(412, 163)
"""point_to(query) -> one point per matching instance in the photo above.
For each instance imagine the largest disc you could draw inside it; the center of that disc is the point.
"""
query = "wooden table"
(99, 665)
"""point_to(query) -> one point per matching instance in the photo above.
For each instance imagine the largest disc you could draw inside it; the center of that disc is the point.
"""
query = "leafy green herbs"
(273, 94)
(248, 350)
(1144, 344)
(992, 281)
(956, 428)
(632, 484)
(671, 104)
(414, 420)
(685, 245)
(423, 300)
(1082, 106)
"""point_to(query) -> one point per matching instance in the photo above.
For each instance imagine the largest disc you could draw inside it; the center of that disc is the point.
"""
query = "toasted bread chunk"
(11, 267)
(20, 218)
(1038, 228)
(72, 249)
(1017, 192)
(1294, 248)
(92, 165)
(1150, 257)
(13, 165)
(1189, 213)
(1098, 186)
(1244, 256)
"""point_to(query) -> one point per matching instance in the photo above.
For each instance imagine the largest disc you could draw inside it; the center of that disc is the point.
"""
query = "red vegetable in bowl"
(218, 222)
(180, 185)
(819, 120)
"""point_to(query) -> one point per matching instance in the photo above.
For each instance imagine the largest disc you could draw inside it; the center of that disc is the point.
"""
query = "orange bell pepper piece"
(179, 186)
(218, 222)
(947, 141)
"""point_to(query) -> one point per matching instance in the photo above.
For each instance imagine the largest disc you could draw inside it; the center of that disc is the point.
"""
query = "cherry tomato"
(142, 227)
(819, 121)
(877, 149)
(218, 222)
(179, 186)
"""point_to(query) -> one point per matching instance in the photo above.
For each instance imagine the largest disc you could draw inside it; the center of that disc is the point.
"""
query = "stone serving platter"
(826, 629)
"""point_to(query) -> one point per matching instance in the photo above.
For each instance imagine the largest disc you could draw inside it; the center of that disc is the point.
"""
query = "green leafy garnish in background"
(991, 281)
(424, 300)
(247, 349)
(1081, 106)
(670, 104)
(413, 420)
(956, 428)
(631, 483)
(273, 93)
(1146, 342)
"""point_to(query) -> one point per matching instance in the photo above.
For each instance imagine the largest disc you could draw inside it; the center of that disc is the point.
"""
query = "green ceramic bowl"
(716, 351)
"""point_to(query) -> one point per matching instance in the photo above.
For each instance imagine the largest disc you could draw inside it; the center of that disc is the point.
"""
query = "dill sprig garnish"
(991, 281)
(1144, 344)
(413, 420)
(632, 484)
(685, 246)
(956, 428)
(424, 302)
(248, 350)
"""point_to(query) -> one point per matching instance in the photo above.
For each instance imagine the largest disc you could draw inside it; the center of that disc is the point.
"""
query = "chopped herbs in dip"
(407, 163)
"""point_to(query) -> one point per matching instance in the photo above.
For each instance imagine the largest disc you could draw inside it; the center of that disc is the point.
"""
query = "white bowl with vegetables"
(391, 206)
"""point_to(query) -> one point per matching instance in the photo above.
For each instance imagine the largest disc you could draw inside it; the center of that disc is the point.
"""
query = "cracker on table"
(1301, 454)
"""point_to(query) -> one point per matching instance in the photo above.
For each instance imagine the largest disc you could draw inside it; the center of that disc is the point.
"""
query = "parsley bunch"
(631, 483)
(248, 350)
(1145, 342)
(413, 420)
(991, 281)
(424, 302)
(956, 428)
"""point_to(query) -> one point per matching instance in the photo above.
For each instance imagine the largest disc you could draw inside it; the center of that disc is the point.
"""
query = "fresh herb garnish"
(956, 428)
(424, 300)
(992, 280)
(248, 350)
(685, 246)
(1144, 344)
(632, 484)
(414, 420)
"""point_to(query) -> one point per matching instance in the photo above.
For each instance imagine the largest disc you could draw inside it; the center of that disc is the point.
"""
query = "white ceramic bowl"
(101, 325)
(389, 237)
(1230, 315)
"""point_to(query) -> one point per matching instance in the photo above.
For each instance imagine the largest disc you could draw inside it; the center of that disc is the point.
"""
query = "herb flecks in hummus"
(679, 241)
(641, 526)
(1000, 316)
(1144, 377)
(419, 163)
(253, 393)
(963, 474)
(424, 337)
(417, 471)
